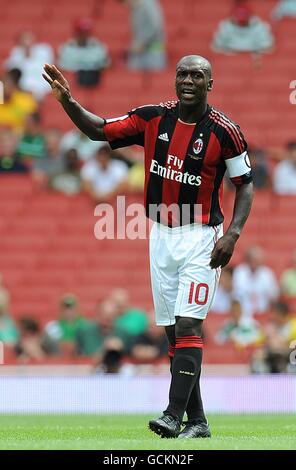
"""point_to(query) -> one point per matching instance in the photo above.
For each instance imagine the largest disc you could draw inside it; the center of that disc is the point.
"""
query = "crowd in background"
(261, 311)
(258, 319)
(115, 331)
(71, 163)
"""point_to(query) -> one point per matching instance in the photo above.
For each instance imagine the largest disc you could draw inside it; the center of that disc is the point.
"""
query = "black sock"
(185, 370)
(194, 409)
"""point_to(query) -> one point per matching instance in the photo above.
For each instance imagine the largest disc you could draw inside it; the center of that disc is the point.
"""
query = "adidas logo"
(164, 137)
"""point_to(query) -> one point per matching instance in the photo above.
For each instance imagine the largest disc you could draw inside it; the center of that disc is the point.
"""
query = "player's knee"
(188, 327)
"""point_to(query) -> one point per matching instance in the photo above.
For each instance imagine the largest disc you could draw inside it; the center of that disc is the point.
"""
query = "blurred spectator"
(284, 178)
(284, 8)
(8, 331)
(17, 103)
(151, 344)
(61, 334)
(29, 345)
(9, 160)
(239, 330)
(130, 320)
(29, 57)
(279, 333)
(259, 166)
(288, 279)
(32, 144)
(104, 177)
(136, 177)
(243, 32)
(133, 157)
(147, 50)
(91, 336)
(254, 284)
(84, 54)
(110, 359)
(223, 298)
(52, 162)
(68, 182)
(85, 148)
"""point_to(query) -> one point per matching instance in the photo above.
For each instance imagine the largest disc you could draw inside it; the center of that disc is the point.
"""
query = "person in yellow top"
(280, 333)
(17, 103)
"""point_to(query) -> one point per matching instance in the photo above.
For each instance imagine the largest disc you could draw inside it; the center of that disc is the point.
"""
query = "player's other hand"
(60, 86)
(222, 252)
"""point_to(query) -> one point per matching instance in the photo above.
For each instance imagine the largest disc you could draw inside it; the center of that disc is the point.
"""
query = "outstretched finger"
(57, 72)
(52, 71)
(48, 69)
(47, 78)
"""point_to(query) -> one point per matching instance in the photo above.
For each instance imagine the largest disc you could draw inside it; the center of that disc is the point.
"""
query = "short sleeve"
(129, 129)
(235, 153)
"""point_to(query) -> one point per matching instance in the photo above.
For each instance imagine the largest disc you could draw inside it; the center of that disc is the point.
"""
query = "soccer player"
(188, 147)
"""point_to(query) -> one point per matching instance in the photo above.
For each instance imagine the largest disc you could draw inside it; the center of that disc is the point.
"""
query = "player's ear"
(210, 85)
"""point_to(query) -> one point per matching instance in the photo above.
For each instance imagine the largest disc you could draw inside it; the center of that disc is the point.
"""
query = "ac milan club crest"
(197, 146)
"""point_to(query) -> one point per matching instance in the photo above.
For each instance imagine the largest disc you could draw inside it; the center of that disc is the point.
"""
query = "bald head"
(197, 60)
(193, 82)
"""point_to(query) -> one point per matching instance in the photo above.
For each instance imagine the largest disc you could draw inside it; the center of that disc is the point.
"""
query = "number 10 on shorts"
(198, 293)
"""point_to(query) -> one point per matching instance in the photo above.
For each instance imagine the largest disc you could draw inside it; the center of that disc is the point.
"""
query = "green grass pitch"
(128, 432)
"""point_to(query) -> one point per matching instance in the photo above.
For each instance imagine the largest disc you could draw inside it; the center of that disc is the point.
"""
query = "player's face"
(192, 83)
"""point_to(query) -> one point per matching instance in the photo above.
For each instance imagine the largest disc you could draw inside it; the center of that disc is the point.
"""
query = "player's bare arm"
(88, 123)
(224, 248)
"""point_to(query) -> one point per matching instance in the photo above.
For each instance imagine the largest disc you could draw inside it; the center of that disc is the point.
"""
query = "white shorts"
(183, 284)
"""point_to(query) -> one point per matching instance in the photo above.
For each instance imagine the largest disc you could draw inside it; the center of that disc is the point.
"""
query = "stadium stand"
(47, 241)
(48, 247)
(256, 96)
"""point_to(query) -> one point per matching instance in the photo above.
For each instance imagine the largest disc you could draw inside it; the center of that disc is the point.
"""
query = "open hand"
(60, 86)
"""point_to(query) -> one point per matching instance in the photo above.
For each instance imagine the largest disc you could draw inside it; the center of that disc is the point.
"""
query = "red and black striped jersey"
(184, 163)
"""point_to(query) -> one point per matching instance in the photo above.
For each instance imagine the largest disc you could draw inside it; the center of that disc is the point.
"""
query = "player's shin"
(185, 369)
(194, 409)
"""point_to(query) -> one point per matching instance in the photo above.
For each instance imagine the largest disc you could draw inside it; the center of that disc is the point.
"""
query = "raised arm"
(90, 124)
